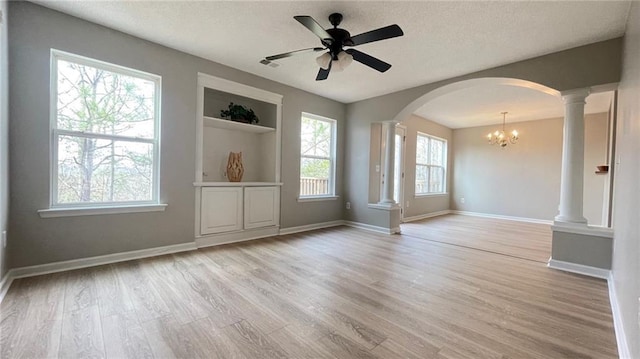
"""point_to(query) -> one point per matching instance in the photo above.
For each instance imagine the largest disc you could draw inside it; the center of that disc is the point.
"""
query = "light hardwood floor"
(523, 240)
(334, 293)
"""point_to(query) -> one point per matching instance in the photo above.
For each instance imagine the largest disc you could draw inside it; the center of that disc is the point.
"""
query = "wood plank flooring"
(334, 293)
(517, 239)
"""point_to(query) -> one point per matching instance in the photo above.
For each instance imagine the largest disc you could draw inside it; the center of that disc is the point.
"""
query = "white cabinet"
(261, 206)
(221, 210)
(235, 211)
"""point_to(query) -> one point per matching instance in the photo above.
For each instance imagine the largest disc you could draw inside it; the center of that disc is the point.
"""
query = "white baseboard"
(233, 237)
(426, 215)
(30, 271)
(5, 283)
(310, 227)
(579, 269)
(623, 347)
(372, 228)
(508, 218)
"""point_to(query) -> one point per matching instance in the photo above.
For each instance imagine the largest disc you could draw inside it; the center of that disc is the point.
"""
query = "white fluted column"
(389, 129)
(572, 177)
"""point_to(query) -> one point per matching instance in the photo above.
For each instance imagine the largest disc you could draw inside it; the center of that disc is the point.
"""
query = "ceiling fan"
(334, 40)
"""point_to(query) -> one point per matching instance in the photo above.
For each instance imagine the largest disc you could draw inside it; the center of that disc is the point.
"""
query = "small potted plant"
(239, 113)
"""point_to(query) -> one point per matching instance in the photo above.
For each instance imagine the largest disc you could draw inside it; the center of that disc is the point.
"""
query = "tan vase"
(235, 170)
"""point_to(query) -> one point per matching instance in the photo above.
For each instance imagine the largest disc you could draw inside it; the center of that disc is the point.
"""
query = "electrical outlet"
(462, 200)
(408, 204)
(348, 205)
(377, 168)
(4, 239)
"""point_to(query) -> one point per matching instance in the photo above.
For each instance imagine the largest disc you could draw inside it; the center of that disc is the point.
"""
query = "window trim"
(54, 132)
(332, 158)
(445, 155)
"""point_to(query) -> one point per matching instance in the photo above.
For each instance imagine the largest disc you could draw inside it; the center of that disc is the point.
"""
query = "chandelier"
(500, 138)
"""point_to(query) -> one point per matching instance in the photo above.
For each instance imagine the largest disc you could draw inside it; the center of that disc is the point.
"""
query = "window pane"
(436, 179)
(422, 150)
(436, 153)
(314, 176)
(96, 170)
(315, 136)
(422, 179)
(99, 101)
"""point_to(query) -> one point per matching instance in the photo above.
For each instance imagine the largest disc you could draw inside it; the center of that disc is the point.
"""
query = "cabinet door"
(261, 207)
(221, 209)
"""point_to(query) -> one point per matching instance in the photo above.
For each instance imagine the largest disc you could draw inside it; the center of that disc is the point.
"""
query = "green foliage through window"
(105, 133)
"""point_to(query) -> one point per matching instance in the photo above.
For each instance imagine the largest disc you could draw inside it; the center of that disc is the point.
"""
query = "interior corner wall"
(626, 198)
(523, 180)
(420, 205)
(33, 31)
(4, 133)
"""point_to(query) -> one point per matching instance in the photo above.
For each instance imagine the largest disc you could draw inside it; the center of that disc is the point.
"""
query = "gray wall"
(626, 243)
(424, 204)
(33, 31)
(4, 134)
(523, 180)
(585, 66)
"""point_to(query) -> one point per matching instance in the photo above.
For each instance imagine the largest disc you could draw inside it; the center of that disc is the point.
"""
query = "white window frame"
(332, 159)
(429, 166)
(63, 209)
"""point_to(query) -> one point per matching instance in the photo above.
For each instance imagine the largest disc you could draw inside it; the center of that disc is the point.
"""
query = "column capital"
(575, 95)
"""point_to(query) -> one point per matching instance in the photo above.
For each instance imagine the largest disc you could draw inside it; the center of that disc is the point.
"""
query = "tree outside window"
(317, 156)
(105, 133)
(431, 162)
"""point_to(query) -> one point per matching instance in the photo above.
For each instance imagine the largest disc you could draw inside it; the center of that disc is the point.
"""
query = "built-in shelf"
(235, 126)
(236, 184)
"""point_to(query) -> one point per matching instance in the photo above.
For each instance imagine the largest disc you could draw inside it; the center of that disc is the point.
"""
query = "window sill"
(318, 198)
(431, 194)
(92, 211)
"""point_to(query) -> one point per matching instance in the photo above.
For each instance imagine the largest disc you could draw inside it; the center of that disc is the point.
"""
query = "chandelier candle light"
(500, 138)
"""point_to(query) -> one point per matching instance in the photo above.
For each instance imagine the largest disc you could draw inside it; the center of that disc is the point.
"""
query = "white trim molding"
(5, 283)
(237, 236)
(624, 351)
(508, 218)
(372, 228)
(317, 198)
(582, 229)
(93, 211)
(579, 269)
(54, 267)
(426, 215)
(310, 227)
(384, 206)
(31, 271)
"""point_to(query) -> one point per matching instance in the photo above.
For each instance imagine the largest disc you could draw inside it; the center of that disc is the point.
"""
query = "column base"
(580, 221)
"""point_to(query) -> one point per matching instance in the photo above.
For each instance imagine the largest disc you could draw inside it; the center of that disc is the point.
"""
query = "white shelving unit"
(234, 126)
(236, 211)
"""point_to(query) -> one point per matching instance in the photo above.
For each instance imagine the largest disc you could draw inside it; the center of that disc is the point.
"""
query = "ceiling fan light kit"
(334, 40)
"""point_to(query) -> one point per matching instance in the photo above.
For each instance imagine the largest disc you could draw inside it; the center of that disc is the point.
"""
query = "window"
(105, 133)
(317, 156)
(431, 164)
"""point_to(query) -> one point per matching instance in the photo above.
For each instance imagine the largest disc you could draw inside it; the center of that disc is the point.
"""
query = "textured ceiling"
(483, 106)
(442, 39)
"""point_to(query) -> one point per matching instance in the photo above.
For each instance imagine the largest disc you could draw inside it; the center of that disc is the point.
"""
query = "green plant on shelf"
(239, 113)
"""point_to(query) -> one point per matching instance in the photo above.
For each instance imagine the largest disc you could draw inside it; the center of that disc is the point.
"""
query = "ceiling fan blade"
(382, 33)
(369, 60)
(323, 74)
(313, 26)
(291, 53)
